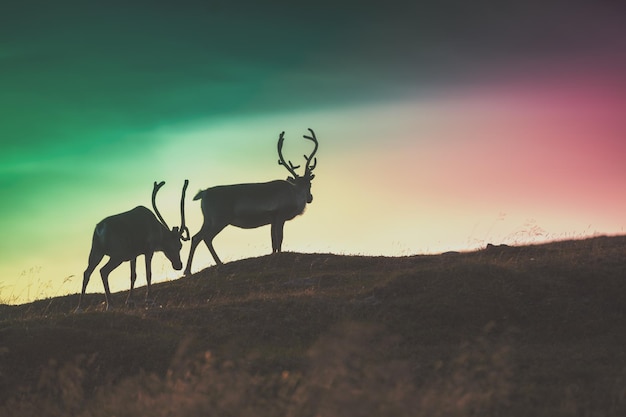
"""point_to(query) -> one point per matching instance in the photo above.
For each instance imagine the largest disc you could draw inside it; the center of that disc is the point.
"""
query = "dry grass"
(513, 331)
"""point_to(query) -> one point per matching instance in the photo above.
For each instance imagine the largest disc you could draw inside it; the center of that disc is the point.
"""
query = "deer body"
(125, 236)
(135, 232)
(253, 205)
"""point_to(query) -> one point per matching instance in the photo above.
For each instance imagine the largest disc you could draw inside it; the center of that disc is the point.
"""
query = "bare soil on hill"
(516, 331)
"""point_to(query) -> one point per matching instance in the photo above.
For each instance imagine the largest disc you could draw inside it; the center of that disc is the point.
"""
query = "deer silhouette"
(256, 204)
(125, 236)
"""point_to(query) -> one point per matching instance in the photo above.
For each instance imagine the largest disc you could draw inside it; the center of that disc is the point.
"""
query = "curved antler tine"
(312, 167)
(312, 137)
(155, 190)
(183, 228)
(281, 161)
(308, 168)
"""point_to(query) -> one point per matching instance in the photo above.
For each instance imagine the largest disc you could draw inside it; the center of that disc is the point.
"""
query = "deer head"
(183, 231)
(305, 180)
(172, 244)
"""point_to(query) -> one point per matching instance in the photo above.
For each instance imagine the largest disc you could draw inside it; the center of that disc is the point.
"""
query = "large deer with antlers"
(253, 205)
(125, 236)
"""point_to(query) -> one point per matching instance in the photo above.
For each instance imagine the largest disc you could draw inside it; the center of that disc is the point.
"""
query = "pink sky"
(548, 141)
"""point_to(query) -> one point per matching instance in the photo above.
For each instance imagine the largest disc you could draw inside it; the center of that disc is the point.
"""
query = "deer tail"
(199, 195)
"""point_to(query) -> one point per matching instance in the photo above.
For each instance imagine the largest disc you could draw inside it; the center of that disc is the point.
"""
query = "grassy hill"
(516, 331)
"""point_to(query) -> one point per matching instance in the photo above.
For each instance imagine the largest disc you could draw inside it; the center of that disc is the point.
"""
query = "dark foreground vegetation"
(505, 331)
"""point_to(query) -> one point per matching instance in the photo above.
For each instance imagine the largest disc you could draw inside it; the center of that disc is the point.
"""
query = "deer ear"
(311, 177)
(175, 229)
(291, 179)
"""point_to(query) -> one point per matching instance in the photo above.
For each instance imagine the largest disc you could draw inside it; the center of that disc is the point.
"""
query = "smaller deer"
(256, 204)
(125, 236)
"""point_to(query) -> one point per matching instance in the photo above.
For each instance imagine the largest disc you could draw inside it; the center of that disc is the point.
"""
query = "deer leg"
(194, 243)
(209, 244)
(133, 278)
(207, 234)
(277, 236)
(148, 274)
(94, 259)
(208, 241)
(104, 273)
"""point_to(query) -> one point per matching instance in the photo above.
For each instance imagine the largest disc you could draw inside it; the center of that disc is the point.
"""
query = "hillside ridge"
(532, 330)
(247, 265)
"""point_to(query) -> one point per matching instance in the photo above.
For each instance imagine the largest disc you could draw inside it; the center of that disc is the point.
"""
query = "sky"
(442, 125)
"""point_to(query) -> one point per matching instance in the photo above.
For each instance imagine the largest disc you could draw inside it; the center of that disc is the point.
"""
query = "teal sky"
(99, 99)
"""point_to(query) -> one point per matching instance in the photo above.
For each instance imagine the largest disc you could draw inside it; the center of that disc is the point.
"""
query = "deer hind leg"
(194, 243)
(133, 278)
(208, 241)
(209, 244)
(104, 273)
(205, 234)
(95, 256)
(277, 236)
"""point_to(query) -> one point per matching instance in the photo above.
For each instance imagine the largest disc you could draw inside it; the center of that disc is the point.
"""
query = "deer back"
(126, 235)
(255, 204)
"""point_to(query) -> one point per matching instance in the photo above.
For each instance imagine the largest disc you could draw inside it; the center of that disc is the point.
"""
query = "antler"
(183, 228)
(154, 193)
(311, 161)
(308, 168)
(290, 167)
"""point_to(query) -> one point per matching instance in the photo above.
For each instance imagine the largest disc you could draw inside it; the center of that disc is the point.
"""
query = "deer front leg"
(133, 278)
(277, 236)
